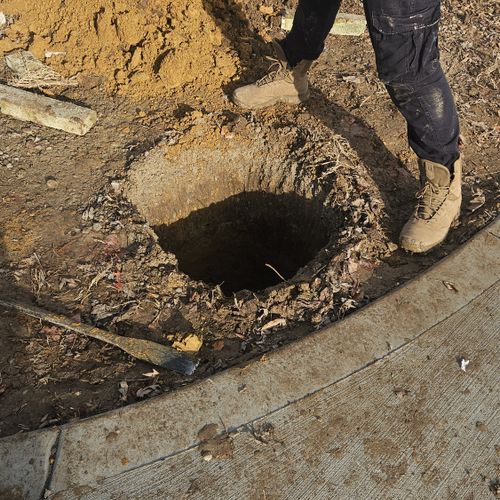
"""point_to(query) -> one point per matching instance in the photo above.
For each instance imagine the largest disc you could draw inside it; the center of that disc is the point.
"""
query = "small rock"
(266, 10)
(52, 183)
(481, 426)
(206, 455)
(3, 20)
(463, 363)
(401, 392)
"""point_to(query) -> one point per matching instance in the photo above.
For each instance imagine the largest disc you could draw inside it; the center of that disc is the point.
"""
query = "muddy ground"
(72, 241)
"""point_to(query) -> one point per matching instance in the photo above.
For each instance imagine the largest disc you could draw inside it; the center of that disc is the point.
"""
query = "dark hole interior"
(230, 242)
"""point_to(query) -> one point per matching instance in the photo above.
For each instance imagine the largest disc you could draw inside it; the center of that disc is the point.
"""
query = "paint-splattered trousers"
(404, 34)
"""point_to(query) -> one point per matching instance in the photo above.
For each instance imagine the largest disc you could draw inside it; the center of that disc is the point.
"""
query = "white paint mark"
(464, 363)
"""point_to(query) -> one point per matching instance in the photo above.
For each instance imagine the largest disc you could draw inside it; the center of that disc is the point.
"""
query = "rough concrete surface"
(410, 426)
(375, 406)
(25, 464)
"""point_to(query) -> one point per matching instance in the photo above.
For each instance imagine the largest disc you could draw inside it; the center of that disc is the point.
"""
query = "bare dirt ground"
(158, 76)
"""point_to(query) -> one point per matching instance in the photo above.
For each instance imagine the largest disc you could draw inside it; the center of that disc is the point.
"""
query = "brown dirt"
(71, 241)
(138, 48)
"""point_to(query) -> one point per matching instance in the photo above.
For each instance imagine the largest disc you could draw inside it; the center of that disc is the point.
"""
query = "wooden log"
(345, 24)
(43, 110)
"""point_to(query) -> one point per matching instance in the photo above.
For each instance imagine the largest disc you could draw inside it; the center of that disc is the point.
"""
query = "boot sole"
(420, 249)
(284, 99)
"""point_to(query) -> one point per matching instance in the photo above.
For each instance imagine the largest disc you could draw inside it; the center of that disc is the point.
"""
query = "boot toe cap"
(244, 96)
(421, 236)
(413, 245)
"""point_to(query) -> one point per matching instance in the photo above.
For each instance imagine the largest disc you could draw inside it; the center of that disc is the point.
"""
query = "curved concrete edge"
(25, 464)
(412, 425)
(112, 443)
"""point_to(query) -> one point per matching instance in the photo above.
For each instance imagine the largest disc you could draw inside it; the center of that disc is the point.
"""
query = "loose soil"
(137, 48)
(180, 214)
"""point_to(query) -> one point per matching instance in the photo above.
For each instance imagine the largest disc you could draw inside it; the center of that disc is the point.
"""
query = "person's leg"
(287, 79)
(312, 22)
(404, 34)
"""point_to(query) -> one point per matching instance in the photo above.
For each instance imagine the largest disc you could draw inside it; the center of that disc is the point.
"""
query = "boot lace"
(430, 199)
(277, 70)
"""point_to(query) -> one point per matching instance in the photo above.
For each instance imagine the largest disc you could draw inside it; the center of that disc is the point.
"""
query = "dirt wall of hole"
(208, 165)
(238, 206)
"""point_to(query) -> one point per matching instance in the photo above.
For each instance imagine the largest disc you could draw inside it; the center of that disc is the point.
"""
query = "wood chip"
(191, 343)
(275, 323)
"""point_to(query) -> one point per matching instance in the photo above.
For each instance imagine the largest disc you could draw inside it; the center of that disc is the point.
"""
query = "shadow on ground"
(240, 238)
(390, 175)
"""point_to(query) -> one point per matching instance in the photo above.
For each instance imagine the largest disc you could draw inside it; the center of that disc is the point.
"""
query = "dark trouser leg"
(312, 22)
(404, 34)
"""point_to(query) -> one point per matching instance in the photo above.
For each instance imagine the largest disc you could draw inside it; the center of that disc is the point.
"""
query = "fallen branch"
(36, 108)
(153, 353)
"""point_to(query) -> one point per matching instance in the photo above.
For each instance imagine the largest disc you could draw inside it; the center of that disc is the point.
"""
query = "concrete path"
(375, 406)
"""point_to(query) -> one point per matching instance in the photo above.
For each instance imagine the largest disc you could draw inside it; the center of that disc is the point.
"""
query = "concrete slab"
(108, 445)
(410, 426)
(25, 464)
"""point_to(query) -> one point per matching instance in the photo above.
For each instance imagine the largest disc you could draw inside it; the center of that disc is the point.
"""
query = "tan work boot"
(437, 209)
(281, 84)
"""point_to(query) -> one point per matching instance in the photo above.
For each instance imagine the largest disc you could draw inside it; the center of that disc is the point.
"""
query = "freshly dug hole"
(237, 242)
(243, 212)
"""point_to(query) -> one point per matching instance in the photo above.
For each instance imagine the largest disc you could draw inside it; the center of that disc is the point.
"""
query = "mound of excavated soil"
(139, 47)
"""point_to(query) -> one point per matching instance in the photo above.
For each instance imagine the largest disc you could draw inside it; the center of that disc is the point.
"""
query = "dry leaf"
(29, 72)
(150, 390)
(451, 286)
(53, 332)
(191, 343)
(352, 79)
(275, 323)
(477, 201)
(101, 311)
(152, 374)
(324, 296)
(218, 345)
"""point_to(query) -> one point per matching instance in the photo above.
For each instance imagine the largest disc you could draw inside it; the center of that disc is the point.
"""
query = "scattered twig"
(146, 350)
(277, 272)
